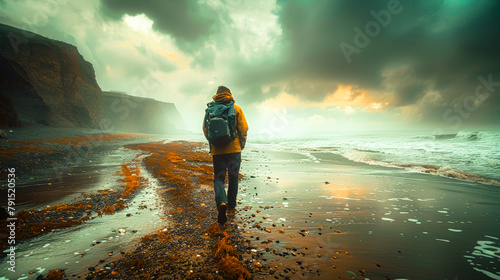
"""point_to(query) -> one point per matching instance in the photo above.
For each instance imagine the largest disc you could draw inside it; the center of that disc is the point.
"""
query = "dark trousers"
(229, 163)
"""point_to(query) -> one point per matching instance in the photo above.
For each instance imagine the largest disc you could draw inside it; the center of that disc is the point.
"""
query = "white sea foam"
(489, 274)
(472, 156)
(486, 250)
(443, 240)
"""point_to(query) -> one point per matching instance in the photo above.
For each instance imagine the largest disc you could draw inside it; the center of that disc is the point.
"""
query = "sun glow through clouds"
(139, 22)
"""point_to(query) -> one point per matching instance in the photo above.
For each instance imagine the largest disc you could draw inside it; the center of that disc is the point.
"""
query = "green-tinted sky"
(299, 66)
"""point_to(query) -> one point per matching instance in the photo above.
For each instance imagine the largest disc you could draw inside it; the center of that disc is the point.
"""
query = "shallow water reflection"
(76, 248)
(385, 222)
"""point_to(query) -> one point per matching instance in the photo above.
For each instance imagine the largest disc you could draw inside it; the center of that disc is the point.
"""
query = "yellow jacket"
(241, 128)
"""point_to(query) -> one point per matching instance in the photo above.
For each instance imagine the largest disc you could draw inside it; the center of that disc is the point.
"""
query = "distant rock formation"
(48, 82)
(123, 112)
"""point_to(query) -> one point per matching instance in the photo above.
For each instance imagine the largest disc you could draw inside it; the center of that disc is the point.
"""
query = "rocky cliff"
(123, 112)
(45, 82)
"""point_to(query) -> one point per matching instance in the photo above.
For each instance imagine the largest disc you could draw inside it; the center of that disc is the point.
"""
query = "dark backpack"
(220, 122)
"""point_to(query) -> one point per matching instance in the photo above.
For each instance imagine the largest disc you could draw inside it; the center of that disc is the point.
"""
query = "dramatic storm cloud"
(292, 65)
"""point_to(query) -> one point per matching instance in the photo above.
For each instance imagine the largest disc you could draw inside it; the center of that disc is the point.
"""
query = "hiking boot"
(221, 218)
(232, 211)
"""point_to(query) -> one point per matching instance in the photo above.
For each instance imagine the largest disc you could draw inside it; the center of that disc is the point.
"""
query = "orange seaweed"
(55, 274)
(132, 178)
(182, 163)
(164, 237)
(146, 238)
(226, 256)
(108, 210)
(119, 206)
(44, 146)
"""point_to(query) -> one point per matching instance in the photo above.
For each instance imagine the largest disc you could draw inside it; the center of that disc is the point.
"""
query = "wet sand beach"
(336, 218)
(302, 214)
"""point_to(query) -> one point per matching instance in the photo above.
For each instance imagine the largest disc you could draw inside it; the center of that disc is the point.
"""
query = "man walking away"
(225, 127)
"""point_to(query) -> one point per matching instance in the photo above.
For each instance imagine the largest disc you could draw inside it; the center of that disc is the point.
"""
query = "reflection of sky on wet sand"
(76, 248)
(390, 222)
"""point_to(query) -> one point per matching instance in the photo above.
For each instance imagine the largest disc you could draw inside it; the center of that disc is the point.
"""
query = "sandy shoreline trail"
(193, 246)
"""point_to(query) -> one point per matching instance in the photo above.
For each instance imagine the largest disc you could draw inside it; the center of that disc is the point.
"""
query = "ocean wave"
(469, 135)
(444, 171)
(464, 135)
(444, 136)
(447, 171)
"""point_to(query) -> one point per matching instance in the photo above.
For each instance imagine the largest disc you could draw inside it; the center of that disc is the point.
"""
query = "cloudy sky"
(293, 66)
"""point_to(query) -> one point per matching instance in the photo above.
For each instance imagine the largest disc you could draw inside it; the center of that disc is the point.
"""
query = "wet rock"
(2, 134)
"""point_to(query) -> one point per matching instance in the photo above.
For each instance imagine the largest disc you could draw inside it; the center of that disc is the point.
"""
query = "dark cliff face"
(8, 116)
(123, 112)
(47, 81)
